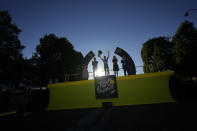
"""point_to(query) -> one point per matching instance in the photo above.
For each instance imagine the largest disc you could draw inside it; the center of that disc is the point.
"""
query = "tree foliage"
(159, 54)
(156, 55)
(185, 50)
(56, 57)
(10, 46)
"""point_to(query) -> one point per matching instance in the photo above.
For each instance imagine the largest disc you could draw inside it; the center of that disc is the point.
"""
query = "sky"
(99, 24)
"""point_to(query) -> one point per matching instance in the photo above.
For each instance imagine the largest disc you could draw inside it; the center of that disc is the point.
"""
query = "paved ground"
(164, 117)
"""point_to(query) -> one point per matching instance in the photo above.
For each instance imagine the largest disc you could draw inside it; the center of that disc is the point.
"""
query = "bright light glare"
(100, 72)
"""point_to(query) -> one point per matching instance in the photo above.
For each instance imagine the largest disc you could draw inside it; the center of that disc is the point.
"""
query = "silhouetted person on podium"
(125, 65)
(115, 65)
(105, 62)
(95, 66)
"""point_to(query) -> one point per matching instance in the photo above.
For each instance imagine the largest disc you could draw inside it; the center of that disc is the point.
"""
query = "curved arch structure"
(88, 57)
(121, 52)
(118, 51)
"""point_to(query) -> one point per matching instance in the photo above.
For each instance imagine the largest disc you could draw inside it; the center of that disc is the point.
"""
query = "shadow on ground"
(164, 117)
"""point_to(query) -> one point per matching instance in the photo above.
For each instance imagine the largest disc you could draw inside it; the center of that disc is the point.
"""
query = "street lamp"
(187, 12)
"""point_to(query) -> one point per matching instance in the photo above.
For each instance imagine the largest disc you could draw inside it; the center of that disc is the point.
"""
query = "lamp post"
(187, 12)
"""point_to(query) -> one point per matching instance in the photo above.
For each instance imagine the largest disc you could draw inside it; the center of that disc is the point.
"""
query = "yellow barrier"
(132, 90)
(7, 113)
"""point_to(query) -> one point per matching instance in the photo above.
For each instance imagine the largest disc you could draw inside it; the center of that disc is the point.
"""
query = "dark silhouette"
(125, 65)
(131, 64)
(88, 57)
(21, 99)
(185, 50)
(95, 67)
(115, 65)
(55, 57)
(105, 62)
(183, 91)
(160, 54)
(85, 74)
(156, 55)
(10, 49)
(187, 12)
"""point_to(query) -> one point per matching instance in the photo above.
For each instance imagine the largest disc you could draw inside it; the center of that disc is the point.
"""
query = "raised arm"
(108, 55)
(101, 58)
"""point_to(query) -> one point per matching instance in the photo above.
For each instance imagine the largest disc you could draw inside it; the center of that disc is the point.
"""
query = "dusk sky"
(99, 24)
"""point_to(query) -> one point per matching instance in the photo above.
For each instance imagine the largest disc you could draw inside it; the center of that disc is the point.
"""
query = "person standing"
(21, 99)
(105, 61)
(115, 65)
(95, 66)
(125, 65)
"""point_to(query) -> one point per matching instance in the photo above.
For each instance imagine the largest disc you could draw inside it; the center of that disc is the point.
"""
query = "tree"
(10, 46)
(56, 57)
(185, 50)
(156, 55)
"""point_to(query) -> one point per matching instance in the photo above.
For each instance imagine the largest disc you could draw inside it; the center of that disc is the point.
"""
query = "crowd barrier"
(132, 90)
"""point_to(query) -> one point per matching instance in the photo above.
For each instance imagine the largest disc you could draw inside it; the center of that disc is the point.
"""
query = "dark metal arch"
(88, 57)
(86, 61)
(132, 68)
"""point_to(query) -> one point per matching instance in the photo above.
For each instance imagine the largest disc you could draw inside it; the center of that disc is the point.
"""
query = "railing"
(68, 76)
